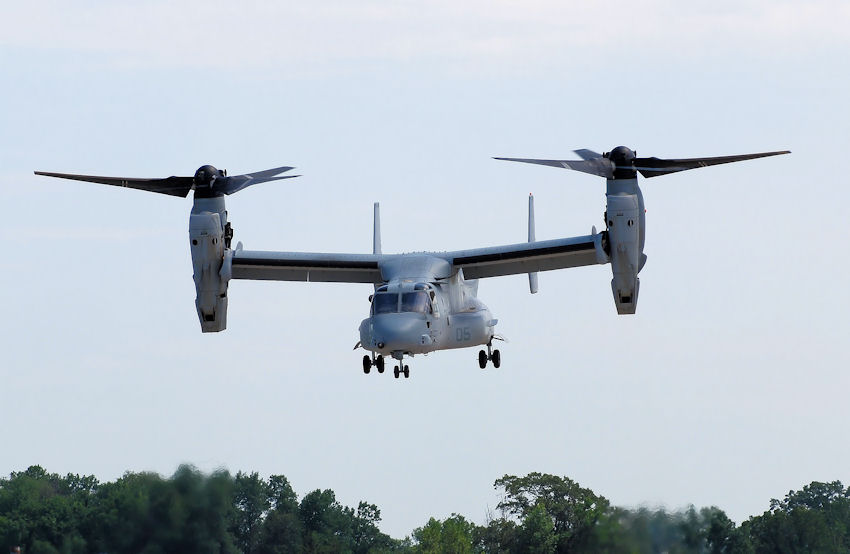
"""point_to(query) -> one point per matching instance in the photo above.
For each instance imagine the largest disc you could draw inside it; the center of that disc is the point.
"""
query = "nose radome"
(397, 331)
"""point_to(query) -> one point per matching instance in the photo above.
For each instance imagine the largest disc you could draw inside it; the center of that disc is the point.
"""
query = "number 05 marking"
(463, 334)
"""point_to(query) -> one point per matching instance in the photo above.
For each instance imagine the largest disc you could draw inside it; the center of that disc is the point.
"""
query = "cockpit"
(416, 301)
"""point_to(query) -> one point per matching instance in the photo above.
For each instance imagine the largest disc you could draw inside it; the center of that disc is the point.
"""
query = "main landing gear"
(491, 355)
(369, 362)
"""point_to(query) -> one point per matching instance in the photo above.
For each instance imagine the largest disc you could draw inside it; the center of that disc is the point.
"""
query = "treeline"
(191, 512)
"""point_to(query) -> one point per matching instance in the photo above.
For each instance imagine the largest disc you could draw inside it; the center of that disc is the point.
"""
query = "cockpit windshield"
(416, 302)
(384, 303)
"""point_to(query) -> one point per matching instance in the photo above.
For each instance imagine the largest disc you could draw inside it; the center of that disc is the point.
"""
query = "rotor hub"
(205, 177)
(623, 159)
(622, 155)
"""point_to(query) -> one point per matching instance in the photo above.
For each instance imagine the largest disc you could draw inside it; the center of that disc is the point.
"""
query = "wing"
(528, 257)
(493, 261)
(306, 266)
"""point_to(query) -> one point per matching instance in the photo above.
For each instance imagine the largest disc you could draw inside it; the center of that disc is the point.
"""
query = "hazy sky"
(728, 387)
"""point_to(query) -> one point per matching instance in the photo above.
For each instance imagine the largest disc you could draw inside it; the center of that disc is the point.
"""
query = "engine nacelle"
(206, 235)
(624, 239)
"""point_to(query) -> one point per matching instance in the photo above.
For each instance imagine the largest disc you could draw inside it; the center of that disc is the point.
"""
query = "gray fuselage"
(415, 316)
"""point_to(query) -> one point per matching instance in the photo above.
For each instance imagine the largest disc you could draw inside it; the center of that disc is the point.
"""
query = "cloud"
(477, 34)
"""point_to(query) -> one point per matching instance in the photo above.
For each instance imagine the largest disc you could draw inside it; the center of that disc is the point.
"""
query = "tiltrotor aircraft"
(427, 301)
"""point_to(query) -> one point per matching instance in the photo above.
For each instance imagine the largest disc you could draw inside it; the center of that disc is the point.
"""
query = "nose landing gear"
(398, 371)
(491, 355)
(400, 368)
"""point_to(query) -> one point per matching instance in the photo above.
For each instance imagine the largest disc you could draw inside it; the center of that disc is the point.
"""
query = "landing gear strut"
(491, 355)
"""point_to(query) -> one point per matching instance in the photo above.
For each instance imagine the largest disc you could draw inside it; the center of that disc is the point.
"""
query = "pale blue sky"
(728, 387)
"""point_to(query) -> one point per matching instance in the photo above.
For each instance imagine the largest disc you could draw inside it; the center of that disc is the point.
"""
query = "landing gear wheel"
(367, 364)
(396, 372)
(406, 372)
(379, 363)
(482, 359)
(497, 359)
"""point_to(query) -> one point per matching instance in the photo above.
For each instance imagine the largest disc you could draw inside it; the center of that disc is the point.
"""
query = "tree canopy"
(539, 513)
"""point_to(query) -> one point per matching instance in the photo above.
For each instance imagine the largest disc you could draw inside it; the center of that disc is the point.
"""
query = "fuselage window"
(384, 303)
(416, 302)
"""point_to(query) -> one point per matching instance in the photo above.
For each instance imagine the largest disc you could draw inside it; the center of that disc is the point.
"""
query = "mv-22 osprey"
(422, 302)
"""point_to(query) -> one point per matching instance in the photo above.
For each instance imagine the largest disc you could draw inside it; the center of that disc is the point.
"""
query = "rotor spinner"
(623, 159)
(204, 181)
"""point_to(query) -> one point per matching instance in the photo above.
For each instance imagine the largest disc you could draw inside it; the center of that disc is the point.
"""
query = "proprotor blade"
(235, 183)
(653, 167)
(595, 166)
(173, 186)
(586, 154)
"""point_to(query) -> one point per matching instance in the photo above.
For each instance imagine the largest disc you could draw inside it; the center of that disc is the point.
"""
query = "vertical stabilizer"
(376, 230)
(532, 277)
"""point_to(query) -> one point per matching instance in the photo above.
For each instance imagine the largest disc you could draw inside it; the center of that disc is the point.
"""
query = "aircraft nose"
(397, 331)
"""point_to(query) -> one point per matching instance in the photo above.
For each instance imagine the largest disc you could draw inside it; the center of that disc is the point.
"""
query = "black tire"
(395, 372)
(497, 359)
(367, 364)
(482, 359)
(379, 363)
(406, 372)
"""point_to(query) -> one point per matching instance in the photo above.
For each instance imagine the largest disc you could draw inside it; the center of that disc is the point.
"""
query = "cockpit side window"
(418, 301)
(384, 303)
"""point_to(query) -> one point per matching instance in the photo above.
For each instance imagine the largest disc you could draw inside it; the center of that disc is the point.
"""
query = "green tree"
(428, 537)
(187, 513)
(282, 529)
(44, 510)
(451, 536)
(498, 536)
(327, 524)
(537, 535)
(815, 519)
(574, 510)
(366, 535)
(281, 533)
(251, 500)
(705, 531)
(281, 495)
(721, 535)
